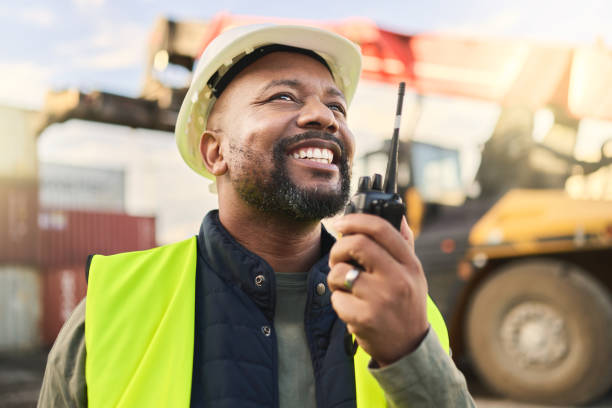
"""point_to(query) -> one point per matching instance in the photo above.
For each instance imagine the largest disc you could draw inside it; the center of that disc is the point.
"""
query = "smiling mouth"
(316, 154)
(320, 152)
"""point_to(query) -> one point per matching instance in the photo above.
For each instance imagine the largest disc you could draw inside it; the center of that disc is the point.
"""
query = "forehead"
(285, 65)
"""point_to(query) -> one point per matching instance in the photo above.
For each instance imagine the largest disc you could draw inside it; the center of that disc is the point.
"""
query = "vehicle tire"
(541, 331)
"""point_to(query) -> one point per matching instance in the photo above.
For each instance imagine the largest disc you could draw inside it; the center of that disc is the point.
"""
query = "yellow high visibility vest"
(137, 302)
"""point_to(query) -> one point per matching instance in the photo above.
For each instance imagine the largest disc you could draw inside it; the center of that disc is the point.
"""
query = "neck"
(287, 245)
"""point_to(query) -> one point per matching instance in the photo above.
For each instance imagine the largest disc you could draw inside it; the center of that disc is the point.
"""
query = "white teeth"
(316, 154)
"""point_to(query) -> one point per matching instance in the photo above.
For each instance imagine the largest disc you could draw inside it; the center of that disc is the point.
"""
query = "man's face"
(284, 136)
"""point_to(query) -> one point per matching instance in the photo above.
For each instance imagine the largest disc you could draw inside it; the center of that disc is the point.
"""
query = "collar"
(240, 267)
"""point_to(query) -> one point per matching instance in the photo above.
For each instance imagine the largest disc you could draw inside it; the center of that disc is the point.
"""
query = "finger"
(407, 232)
(337, 275)
(363, 250)
(361, 286)
(379, 230)
(352, 310)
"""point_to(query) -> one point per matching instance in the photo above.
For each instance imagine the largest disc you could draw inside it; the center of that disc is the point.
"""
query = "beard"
(275, 193)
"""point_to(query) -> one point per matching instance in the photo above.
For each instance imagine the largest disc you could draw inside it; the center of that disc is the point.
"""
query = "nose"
(316, 115)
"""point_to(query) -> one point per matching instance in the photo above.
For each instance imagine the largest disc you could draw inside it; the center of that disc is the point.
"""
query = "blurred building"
(81, 188)
(20, 284)
(52, 216)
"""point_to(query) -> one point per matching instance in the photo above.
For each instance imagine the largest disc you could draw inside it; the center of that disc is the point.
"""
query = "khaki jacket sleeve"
(64, 381)
(427, 377)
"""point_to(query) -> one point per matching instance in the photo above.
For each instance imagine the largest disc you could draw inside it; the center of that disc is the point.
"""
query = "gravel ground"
(487, 399)
(21, 375)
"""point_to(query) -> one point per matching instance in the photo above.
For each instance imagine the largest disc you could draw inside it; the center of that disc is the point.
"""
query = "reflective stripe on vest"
(136, 304)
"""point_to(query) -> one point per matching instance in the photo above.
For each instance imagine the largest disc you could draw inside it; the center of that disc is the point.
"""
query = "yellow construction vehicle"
(522, 271)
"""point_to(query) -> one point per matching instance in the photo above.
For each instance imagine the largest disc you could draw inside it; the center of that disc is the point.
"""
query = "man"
(272, 296)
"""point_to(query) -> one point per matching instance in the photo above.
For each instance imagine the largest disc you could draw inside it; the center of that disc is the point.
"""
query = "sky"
(101, 45)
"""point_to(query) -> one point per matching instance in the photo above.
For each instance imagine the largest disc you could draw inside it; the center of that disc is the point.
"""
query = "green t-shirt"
(296, 385)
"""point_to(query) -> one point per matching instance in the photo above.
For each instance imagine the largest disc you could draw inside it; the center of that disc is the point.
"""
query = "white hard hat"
(343, 58)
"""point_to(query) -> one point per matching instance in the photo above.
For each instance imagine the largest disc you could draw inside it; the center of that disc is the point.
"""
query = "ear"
(210, 148)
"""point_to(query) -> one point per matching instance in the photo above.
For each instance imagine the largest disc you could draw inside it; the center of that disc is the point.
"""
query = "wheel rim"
(535, 334)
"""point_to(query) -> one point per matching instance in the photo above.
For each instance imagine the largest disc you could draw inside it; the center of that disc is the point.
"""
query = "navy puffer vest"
(235, 350)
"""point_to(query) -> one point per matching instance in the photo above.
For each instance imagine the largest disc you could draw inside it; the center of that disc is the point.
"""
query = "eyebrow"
(295, 83)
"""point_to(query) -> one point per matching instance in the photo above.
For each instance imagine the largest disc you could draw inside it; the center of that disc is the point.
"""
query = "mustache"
(281, 145)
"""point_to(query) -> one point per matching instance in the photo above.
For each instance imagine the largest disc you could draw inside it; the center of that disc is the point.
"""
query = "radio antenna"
(390, 185)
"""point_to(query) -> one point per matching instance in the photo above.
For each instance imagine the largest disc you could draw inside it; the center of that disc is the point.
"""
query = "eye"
(337, 107)
(283, 97)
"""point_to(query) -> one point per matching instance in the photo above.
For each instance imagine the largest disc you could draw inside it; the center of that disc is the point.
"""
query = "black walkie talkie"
(374, 197)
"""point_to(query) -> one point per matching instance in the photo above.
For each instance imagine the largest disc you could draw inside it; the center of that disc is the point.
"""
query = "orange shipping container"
(67, 237)
(63, 289)
(18, 221)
